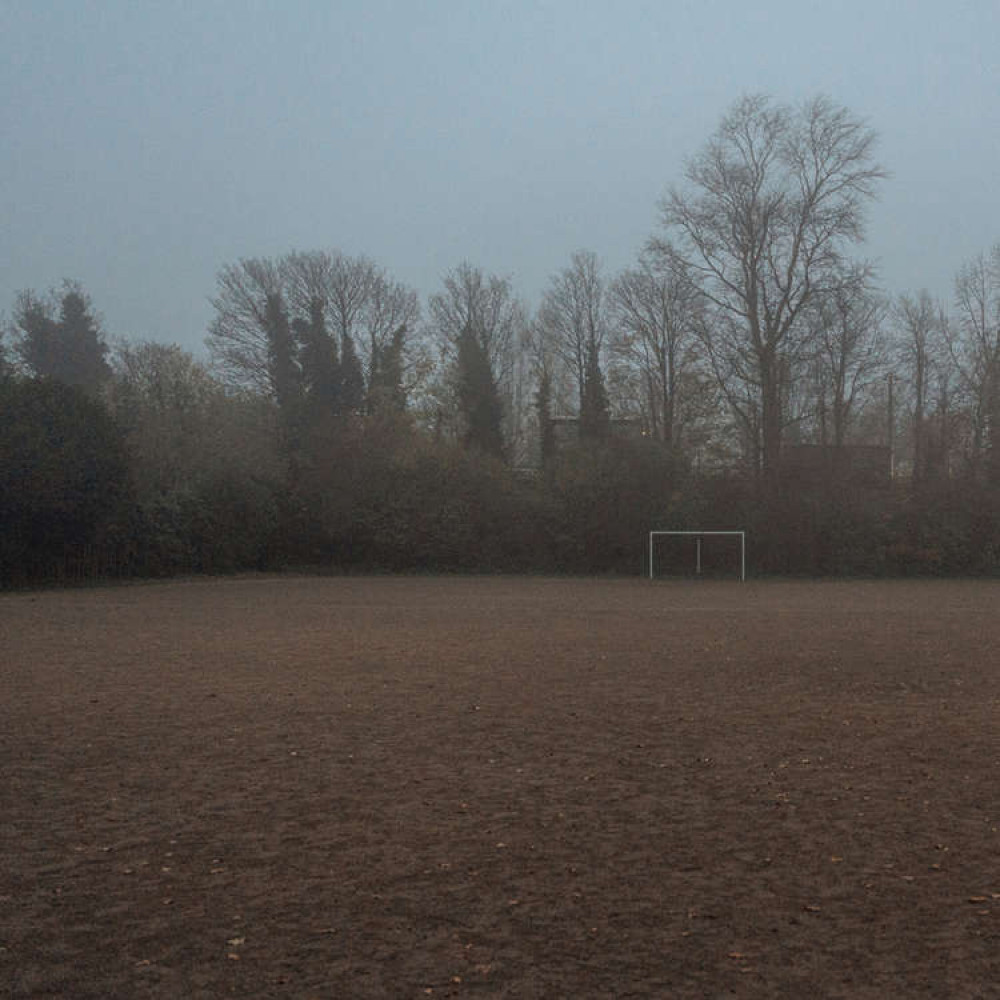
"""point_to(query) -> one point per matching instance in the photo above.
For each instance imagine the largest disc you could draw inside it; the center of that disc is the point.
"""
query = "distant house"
(854, 464)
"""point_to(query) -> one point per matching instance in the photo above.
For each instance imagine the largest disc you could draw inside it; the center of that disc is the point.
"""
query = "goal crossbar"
(698, 535)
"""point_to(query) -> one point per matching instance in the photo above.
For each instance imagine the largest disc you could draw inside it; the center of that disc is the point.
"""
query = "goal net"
(717, 554)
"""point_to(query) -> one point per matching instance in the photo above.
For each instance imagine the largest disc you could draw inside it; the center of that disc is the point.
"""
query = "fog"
(145, 146)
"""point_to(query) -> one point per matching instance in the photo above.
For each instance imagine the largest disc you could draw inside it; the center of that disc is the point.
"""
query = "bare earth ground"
(293, 787)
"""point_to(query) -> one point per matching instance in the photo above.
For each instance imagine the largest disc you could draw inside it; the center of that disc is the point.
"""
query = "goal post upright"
(698, 535)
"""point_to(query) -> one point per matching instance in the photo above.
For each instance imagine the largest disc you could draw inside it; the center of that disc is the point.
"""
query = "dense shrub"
(604, 500)
(63, 481)
(386, 497)
(208, 490)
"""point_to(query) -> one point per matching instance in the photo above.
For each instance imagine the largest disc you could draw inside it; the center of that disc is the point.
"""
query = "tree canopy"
(745, 370)
(61, 338)
(771, 207)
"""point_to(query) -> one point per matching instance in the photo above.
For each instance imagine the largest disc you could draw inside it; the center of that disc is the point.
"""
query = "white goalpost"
(698, 536)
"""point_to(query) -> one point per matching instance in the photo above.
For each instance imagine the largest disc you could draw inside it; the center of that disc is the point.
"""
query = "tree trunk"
(770, 418)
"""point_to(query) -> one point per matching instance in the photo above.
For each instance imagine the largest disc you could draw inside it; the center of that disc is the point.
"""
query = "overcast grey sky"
(147, 144)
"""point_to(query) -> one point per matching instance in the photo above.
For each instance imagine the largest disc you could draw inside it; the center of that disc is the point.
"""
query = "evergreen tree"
(352, 379)
(39, 333)
(286, 381)
(595, 419)
(318, 354)
(63, 474)
(478, 396)
(386, 392)
(283, 368)
(61, 338)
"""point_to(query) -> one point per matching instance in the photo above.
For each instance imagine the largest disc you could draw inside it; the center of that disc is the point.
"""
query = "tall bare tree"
(573, 317)
(361, 304)
(484, 307)
(921, 329)
(975, 349)
(656, 315)
(771, 206)
(342, 313)
(851, 354)
(389, 331)
(238, 339)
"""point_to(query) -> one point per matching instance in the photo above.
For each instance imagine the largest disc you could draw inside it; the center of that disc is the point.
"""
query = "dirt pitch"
(522, 788)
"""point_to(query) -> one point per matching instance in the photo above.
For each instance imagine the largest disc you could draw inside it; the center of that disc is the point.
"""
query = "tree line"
(747, 371)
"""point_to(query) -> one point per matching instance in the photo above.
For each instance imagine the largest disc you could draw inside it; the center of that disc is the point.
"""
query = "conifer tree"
(284, 370)
(386, 391)
(352, 379)
(595, 420)
(478, 397)
(320, 361)
(61, 338)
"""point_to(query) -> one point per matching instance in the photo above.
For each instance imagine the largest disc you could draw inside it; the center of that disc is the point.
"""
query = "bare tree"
(364, 310)
(361, 303)
(521, 410)
(538, 368)
(771, 205)
(483, 303)
(345, 305)
(160, 378)
(573, 317)
(921, 327)
(851, 356)
(238, 340)
(392, 315)
(181, 426)
(975, 349)
(485, 306)
(656, 314)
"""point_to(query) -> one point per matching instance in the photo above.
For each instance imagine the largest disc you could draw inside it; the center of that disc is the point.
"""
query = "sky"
(146, 145)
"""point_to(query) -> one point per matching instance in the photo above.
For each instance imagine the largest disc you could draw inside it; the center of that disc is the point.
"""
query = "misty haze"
(499, 500)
